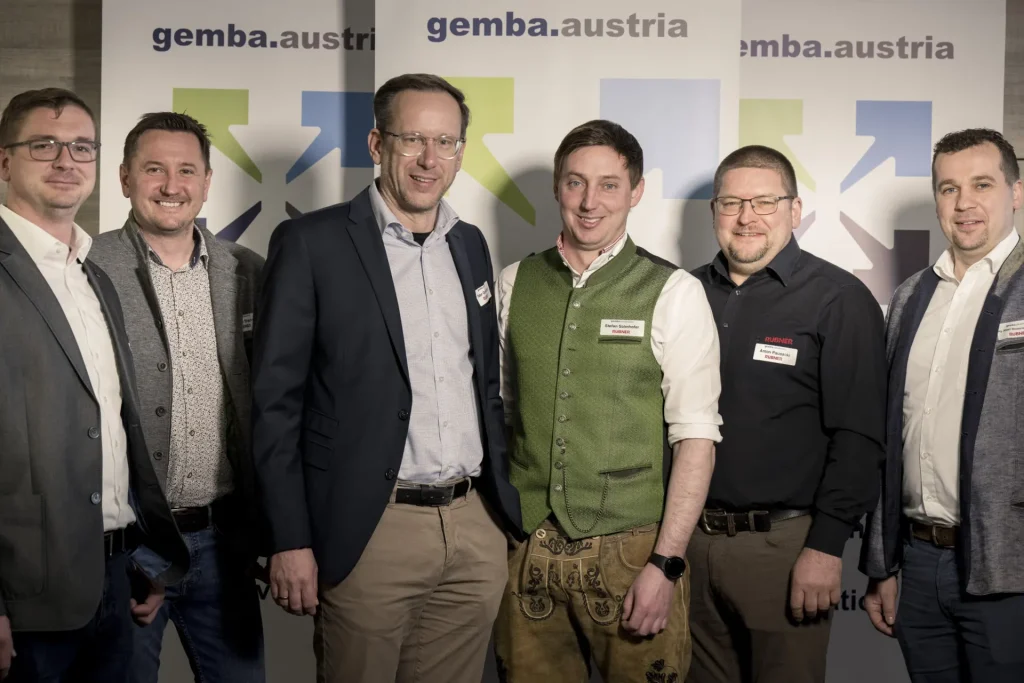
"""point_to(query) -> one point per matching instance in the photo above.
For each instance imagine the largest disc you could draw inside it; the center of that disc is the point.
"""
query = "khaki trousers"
(739, 610)
(420, 603)
(563, 606)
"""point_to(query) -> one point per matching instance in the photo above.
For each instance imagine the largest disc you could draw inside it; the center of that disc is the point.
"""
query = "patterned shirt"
(444, 428)
(198, 471)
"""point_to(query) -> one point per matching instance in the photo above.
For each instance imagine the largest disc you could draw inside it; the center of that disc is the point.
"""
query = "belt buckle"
(766, 515)
(434, 496)
(705, 525)
(935, 531)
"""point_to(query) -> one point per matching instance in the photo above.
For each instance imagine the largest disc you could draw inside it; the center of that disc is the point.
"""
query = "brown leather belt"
(190, 520)
(939, 536)
(431, 496)
(716, 522)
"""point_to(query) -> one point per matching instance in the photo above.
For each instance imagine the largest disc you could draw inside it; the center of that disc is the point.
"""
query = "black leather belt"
(118, 541)
(190, 520)
(755, 521)
(432, 496)
(939, 536)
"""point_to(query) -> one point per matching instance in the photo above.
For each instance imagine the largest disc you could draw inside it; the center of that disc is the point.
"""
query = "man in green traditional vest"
(610, 381)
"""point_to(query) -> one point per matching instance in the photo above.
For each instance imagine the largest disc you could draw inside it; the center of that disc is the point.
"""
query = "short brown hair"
(170, 121)
(602, 133)
(960, 140)
(23, 103)
(758, 156)
(386, 94)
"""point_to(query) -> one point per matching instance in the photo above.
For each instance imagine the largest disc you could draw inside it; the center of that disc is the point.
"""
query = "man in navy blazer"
(378, 430)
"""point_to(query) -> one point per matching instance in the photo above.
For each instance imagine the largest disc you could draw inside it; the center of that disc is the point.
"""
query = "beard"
(750, 256)
(970, 242)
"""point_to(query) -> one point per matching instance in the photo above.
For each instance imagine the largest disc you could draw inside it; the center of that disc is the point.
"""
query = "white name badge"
(483, 294)
(783, 355)
(247, 322)
(623, 328)
(1012, 330)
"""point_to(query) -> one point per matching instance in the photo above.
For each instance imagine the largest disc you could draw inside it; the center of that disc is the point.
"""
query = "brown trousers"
(563, 606)
(739, 611)
(420, 603)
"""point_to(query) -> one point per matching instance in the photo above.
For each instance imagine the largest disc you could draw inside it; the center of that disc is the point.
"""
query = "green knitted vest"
(588, 437)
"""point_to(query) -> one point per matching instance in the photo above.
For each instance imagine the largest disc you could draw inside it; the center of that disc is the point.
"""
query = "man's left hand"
(648, 601)
(143, 613)
(815, 584)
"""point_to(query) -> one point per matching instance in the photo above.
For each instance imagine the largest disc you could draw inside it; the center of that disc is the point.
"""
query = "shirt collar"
(41, 245)
(385, 217)
(199, 252)
(603, 256)
(782, 266)
(993, 260)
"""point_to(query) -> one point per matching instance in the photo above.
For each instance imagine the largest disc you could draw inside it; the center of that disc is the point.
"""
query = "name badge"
(770, 353)
(247, 322)
(623, 328)
(1012, 330)
(483, 294)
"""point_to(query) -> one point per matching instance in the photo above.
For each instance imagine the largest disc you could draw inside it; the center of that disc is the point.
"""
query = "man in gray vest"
(610, 381)
(188, 302)
(951, 514)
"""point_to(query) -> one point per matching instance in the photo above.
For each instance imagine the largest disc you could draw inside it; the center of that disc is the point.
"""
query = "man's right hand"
(6, 647)
(880, 603)
(293, 581)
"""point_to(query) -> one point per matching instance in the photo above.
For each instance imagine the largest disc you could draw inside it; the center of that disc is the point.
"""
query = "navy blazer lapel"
(458, 248)
(369, 246)
(25, 273)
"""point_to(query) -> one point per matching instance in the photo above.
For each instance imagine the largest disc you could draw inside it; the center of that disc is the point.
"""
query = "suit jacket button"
(390, 474)
(161, 411)
(158, 456)
(161, 366)
(95, 499)
(94, 433)
(403, 414)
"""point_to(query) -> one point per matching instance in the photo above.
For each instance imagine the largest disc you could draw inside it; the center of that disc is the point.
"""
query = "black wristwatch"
(672, 567)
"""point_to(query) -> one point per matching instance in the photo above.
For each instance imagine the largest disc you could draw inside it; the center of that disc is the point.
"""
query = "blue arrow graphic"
(344, 119)
(889, 267)
(676, 122)
(233, 230)
(902, 130)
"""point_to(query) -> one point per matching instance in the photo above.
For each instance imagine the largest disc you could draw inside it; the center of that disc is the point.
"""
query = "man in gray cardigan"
(188, 301)
(951, 514)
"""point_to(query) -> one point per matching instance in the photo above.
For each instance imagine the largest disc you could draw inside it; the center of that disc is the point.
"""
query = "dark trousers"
(739, 609)
(99, 652)
(216, 611)
(948, 636)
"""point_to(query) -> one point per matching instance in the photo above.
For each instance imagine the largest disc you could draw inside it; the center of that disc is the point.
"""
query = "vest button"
(565, 373)
(558, 487)
(572, 326)
(575, 304)
(558, 464)
(564, 395)
(559, 441)
(562, 418)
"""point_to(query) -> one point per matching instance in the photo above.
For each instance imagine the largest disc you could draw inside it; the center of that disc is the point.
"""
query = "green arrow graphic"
(765, 122)
(492, 101)
(218, 110)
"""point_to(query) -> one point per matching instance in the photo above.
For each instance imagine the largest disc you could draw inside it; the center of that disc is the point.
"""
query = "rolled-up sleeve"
(685, 344)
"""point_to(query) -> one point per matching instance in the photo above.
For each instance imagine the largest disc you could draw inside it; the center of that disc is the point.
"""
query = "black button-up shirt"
(803, 392)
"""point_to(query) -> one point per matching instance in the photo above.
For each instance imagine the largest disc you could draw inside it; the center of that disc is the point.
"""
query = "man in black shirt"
(803, 406)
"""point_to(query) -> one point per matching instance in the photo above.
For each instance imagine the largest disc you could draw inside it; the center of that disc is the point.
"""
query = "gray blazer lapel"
(24, 272)
(227, 318)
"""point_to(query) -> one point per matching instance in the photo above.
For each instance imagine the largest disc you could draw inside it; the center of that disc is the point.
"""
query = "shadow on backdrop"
(516, 239)
(697, 242)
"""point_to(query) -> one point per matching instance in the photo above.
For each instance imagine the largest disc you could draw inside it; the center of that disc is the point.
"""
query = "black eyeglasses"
(762, 206)
(42, 149)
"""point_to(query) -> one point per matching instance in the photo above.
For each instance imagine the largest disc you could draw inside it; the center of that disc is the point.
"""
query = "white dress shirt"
(61, 266)
(936, 379)
(684, 341)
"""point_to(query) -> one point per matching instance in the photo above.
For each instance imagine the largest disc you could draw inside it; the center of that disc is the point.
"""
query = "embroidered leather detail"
(558, 545)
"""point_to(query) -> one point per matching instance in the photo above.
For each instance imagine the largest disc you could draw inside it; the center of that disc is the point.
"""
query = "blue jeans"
(948, 636)
(99, 652)
(216, 610)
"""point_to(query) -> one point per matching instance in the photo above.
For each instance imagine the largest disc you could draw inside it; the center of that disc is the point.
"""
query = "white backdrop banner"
(854, 92)
(666, 70)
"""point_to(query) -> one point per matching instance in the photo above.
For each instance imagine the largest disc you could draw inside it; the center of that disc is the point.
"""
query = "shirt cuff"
(678, 432)
(828, 534)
